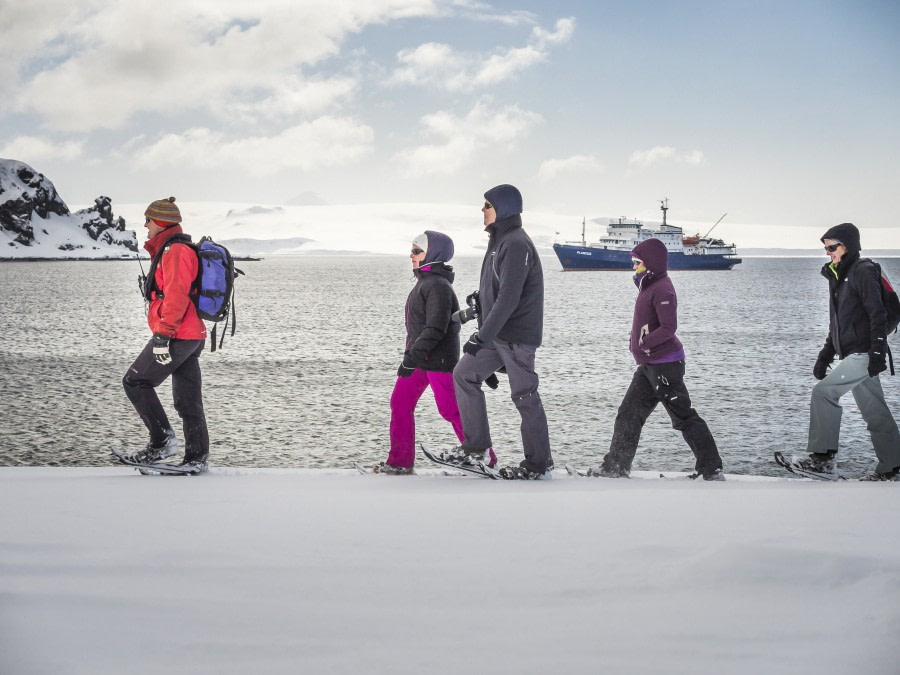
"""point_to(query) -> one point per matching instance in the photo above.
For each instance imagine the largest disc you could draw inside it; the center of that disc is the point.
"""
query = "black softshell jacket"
(511, 289)
(856, 312)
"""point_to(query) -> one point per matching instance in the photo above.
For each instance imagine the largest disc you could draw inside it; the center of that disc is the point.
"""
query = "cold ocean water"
(307, 379)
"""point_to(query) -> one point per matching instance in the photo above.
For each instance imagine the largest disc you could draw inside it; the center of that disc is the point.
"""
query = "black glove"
(820, 370)
(877, 362)
(161, 349)
(492, 381)
(473, 346)
(407, 367)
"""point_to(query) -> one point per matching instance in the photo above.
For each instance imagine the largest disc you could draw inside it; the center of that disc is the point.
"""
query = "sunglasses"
(416, 251)
(635, 261)
(488, 205)
(832, 248)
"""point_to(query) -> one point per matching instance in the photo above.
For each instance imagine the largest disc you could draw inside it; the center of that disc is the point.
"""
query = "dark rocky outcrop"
(24, 192)
(27, 197)
(100, 223)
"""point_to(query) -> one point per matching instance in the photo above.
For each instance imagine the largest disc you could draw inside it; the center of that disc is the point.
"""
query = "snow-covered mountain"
(36, 223)
(344, 229)
(388, 228)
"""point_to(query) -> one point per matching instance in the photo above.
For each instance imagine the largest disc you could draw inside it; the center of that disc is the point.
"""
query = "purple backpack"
(214, 283)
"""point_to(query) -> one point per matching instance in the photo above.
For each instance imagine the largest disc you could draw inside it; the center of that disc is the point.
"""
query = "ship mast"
(583, 240)
(714, 226)
(664, 206)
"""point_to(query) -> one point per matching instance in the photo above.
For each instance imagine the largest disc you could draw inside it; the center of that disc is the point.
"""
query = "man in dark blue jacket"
(510, 325)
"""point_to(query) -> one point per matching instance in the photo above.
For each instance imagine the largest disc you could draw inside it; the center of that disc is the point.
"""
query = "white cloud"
(326, 141)
(30, 149)
(643, 159)
(563, 33)
(426, 63)
(110, 60)
(436, 64)
(551, 168)
(30, 30)
(294, 97)
(502, 67)
(480, 11)
(693, 157)
(460, 138)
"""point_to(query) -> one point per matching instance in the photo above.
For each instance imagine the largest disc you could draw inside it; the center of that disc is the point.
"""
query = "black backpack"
(212, 290)
(891, 303)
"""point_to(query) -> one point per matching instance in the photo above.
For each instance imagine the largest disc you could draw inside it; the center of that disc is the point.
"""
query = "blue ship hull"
(578, 258)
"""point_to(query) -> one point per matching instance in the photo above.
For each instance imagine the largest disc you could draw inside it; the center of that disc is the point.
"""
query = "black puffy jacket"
(432, 340)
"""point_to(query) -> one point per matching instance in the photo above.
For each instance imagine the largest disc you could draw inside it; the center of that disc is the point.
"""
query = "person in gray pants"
(858, 335)
(510, 325)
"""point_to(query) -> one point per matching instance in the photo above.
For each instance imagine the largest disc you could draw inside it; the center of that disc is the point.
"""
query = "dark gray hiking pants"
(468, 377)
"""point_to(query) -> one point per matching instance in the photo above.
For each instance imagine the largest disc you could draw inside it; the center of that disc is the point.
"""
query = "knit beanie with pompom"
(164, 210)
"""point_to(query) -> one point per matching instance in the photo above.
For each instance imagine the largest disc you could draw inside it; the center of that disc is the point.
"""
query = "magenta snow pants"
(407, 392)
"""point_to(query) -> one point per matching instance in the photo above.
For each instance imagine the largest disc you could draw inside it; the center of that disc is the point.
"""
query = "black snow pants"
(145, 374)
(653, 384)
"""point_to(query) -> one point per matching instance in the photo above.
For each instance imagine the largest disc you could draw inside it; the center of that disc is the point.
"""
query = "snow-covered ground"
(328, 571)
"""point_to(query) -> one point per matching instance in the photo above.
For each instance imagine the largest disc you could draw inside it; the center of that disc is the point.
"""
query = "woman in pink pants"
(432, 349)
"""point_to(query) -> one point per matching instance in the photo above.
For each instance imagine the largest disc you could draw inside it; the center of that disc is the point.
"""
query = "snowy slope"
(36, 223)
(69, 236)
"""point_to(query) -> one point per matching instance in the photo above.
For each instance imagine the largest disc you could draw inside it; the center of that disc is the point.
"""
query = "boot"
(156, 453)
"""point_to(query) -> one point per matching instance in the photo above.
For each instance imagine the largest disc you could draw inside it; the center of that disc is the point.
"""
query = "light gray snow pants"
(851, 374)
(518, 360)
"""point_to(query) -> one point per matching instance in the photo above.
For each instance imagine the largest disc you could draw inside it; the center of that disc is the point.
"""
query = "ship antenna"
(664, 206)
(714, 226)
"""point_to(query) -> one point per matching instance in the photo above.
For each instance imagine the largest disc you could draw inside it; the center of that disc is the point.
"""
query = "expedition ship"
(613, 252)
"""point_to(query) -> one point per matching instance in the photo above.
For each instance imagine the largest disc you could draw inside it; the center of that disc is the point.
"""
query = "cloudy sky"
(779, 112)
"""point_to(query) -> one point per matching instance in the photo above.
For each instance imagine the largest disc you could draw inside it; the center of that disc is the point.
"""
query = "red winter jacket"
(174, 314)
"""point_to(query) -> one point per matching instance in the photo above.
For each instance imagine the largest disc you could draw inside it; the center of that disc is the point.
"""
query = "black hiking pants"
(653, 384)
(145, 374)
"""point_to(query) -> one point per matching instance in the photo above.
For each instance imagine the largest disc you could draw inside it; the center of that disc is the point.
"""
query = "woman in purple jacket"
(659, 377)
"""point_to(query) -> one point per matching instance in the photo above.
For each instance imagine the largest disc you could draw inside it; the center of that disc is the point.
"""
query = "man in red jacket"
(179, 336)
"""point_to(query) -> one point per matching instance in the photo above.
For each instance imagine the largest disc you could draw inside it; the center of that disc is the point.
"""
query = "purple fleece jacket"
(655, 320)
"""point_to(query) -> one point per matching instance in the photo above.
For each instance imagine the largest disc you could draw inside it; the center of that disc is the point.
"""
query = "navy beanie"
(506, 200)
